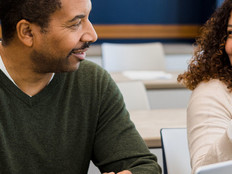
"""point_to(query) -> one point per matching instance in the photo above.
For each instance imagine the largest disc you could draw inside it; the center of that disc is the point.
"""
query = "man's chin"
(74, 68)
(60, 69)
(70, 68)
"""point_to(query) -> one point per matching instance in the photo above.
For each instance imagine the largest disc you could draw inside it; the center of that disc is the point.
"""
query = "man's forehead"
(75, 7)
(75, 4)
(72, 8)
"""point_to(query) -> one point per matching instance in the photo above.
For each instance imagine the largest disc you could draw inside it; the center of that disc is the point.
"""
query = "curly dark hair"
(34, 11)
(210, 60)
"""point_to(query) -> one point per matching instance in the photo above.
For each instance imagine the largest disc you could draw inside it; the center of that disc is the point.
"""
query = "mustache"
(84, 46)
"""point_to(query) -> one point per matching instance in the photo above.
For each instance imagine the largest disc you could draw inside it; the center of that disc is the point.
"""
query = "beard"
(48, 63)
(45, 61)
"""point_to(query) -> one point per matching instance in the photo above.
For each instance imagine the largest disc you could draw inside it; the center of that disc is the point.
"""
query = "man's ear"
(24, 32)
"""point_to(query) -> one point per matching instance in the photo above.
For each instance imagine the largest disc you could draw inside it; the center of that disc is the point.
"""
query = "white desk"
(152, 84)
(162, 93)
(149, 123)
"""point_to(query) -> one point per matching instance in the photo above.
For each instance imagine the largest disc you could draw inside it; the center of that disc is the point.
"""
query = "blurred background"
(124, 20)
(144, 45)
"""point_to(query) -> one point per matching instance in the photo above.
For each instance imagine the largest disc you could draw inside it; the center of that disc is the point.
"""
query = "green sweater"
(80, 116)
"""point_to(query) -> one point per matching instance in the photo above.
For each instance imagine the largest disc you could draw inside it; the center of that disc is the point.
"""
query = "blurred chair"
(176, 157)
(134, 94)
(121, 57)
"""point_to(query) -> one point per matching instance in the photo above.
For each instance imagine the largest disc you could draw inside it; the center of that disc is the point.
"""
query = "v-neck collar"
(3, 68)
(12, 88)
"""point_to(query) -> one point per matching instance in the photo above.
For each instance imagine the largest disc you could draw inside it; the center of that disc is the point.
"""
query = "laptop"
(217, 168)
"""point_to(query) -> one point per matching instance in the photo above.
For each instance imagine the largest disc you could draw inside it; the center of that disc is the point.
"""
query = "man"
(58, 112)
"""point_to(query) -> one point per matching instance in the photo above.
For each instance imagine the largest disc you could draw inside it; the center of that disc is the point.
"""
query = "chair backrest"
(134, 94)
(176, 157)
(122, 57)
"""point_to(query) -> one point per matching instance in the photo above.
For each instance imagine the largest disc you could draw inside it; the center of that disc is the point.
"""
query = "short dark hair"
(34, 11)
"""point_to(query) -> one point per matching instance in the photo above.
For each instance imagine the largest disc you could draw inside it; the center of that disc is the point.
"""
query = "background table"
(162, 93)
(153, 83)
(149, 123)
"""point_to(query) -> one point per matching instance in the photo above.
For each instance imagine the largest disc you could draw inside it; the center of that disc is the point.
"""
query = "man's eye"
(77, 24)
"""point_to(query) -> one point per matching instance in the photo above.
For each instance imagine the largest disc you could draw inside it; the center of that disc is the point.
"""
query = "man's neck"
(18, 66)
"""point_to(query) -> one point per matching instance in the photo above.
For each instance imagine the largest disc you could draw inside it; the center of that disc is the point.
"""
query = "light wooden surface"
(149, 123)
(152, 84)
(152, 31)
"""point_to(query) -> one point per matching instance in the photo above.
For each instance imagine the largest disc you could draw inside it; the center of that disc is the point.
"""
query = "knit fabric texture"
(79, 116)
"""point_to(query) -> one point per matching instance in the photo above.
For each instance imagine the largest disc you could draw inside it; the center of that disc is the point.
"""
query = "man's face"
(63, 46)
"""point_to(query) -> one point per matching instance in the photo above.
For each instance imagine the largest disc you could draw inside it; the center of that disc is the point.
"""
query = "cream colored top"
(209, 124)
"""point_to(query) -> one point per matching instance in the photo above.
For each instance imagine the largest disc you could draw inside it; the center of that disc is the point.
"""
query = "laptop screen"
(217, 168)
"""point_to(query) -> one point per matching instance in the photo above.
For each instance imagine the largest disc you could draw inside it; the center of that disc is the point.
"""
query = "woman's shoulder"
(214, 86)
(212, 83)
(212, 93)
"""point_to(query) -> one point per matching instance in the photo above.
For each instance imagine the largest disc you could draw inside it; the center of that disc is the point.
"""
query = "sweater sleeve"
(208, 117)
(118, 146)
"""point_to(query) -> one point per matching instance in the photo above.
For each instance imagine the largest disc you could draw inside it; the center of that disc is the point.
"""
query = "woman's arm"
(208, 117)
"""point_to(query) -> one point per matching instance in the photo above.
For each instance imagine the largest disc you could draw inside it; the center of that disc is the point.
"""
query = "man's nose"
(90, 34)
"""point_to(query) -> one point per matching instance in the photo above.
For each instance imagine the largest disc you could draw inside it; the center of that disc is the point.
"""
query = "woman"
(209, 75)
